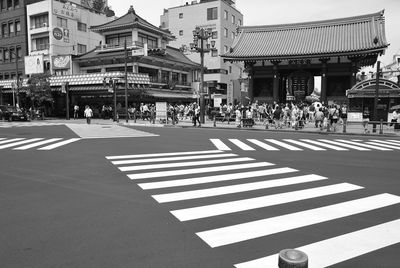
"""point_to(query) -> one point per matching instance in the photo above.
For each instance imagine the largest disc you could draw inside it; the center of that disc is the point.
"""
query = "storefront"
(362, 100)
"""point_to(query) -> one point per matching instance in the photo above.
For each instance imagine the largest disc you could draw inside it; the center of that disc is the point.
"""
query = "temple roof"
(351, 36)
(131, 20)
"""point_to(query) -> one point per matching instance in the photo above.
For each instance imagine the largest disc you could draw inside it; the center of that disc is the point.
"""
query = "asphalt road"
(71, 206)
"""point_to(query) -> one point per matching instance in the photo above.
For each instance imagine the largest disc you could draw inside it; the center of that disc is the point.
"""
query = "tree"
(98, 5)
(39, 90)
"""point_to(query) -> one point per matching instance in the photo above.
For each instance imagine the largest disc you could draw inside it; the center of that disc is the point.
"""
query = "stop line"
(185, 176)
(305, 144)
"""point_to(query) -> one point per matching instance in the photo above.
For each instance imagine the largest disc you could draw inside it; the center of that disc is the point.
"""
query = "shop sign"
(57, 33)
(66, 10)
(61, 62)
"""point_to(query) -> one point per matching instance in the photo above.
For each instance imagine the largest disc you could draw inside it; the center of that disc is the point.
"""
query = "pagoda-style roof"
(131, 20)
(170, 55)
(354, 36)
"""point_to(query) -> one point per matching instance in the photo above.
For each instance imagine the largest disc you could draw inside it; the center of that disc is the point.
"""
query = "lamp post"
(17, 84)
(200, 44)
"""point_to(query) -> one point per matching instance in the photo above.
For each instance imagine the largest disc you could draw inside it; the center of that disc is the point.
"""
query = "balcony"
(118, 47)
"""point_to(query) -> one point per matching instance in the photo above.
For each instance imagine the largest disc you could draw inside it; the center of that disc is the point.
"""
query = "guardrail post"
(292, 258)
(344, 125)
(134, 117)
(215, 121)
(381, 127)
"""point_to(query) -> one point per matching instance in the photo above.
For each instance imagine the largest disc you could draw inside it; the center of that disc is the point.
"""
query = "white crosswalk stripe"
(20, 144)
(28, 124)
(306, 144)
(231, 184)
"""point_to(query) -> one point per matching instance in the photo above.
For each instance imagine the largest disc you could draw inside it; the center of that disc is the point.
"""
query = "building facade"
(59, 30)
(308, 61)
(223, 18)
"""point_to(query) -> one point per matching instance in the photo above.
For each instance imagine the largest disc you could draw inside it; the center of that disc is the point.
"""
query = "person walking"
(88, 114)
(196, 117)
(76, 110)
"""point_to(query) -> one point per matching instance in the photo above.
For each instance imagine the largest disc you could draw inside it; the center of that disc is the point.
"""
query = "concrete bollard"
(381, 127)
(215, 121)
(344, 125)
(292, 258)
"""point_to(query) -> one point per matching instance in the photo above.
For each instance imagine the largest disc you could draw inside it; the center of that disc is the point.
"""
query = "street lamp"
(200, 44)
(17, 84)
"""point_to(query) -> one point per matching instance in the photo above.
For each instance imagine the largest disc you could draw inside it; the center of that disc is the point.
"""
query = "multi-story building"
(58, 30)
(13, 40)
(223, 18)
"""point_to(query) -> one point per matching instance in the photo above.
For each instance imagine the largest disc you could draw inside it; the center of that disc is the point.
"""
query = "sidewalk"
(353, 128)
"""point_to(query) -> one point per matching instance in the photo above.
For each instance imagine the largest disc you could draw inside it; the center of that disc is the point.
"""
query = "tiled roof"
(130, 20)
(97, 78)
(361, 34)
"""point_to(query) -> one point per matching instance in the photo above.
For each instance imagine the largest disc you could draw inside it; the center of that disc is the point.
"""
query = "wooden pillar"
(275, 87)
(354, 70)
(250, 69)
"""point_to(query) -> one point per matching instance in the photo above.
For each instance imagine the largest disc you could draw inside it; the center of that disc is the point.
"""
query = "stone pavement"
(352, 128)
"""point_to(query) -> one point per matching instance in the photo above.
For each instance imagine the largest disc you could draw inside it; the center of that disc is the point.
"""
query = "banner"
(34, 64)
(61, 62)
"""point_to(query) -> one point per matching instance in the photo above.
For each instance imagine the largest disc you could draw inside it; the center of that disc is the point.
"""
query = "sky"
(269, 12)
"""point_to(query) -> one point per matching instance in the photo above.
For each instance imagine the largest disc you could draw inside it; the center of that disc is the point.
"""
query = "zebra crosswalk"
(28, 124)
(306, 144)
(187, 178)
(41, 144)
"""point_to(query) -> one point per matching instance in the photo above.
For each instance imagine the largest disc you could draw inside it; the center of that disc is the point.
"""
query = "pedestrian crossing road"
(190, 182)
(306, 144)
(41, 144)
(28, 124)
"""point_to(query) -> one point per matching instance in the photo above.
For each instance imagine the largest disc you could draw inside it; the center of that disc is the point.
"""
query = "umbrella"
(396, 107)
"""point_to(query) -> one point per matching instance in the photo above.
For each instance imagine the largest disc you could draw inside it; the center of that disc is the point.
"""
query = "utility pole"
(126, 83)
(378, 66)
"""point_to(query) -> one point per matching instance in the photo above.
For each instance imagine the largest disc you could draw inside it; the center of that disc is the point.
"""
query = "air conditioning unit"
(44, 24)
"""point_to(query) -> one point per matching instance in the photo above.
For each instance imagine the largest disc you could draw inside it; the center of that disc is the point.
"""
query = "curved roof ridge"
(313, 24)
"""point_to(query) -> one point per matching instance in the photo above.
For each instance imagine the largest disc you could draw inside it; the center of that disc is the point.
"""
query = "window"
(214, 53)
(82, 27)
(3, 4)
(181, 15)
(17, 27)
(19, 52)
(1, 56)
(61, 22)
(214, 35)
(226, 48)
(12, 54)
(230, 69)
(9, 4)
(225, 32)
(181, 32)
(233, 35)
(119, 39)
(233, 19)
(41, 43)
(6, 55)
(40, 21)
(4, 30)
(10, 27)
(152, 42)
(81, 49)
(184, 78)
(16, 3)
(212, 13)
(239, 22)
(225, 15)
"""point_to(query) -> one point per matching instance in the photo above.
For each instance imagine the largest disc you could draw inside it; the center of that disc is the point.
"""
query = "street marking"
(241, 145)
(58, 144)
(284, 145)
(345, 145)
(8, 145)
(309, 146)
(387, 142)
(263, 145)
(186, 164)
(395, 141)
(333, 147)
(340, 248)
(215, 178)
(239, 188)
(365, 145)
(384, 145)
(2, 139)
(151, 160)
(260, 202)
(250, 230)
(11, 140)
(220, 145)
(161, 154)
(36, 144)
(196, 170)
